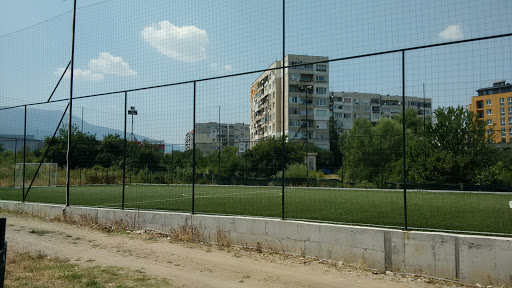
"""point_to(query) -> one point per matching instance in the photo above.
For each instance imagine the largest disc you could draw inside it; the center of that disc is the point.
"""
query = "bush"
(298, 170)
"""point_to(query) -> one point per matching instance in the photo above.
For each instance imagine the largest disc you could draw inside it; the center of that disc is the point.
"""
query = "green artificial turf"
(478, 212)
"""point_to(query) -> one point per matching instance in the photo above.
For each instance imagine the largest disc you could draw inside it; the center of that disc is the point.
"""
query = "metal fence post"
(283, 120)
(3, 251)
(403, 140)
(24, 153)
(124, 144)
(194, 153)
(68, 154)
(15, 152)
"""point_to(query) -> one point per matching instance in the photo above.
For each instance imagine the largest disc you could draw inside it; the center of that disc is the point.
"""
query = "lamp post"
(306, 88)
(132, 112)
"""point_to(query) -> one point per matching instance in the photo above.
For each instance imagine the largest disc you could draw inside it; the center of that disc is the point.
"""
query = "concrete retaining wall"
(471, 259)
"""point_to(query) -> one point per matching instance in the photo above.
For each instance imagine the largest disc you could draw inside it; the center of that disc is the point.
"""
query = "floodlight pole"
(132, 112)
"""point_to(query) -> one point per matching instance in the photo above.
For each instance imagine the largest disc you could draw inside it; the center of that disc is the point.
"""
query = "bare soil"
(190, 264)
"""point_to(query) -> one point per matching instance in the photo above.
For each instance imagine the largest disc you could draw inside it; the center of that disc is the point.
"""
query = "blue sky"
(128, 44)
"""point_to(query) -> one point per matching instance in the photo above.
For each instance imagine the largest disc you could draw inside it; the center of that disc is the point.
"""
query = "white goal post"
(46, 177)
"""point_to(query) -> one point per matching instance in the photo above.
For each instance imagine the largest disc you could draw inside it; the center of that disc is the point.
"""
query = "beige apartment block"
(347, 106)
(306, 101)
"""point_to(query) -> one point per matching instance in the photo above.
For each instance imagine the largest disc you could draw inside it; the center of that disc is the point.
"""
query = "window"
(503, 122)
(489, 121)
(294, 111)
(488, 102)
(509, 131)
(295, 122)
(321, 67)
(321, 90)
(321, 102)
(509, 110)
(338, 115)
(294, 77)
(347, 116)
(321, 79)
(347, 100)
(502, 111)
(321, 125)
(503, 132)
(509, 120)
(321, 114)
(509, 100)
(489, 112)
(502, 101)
(366, 109)
(294, 99)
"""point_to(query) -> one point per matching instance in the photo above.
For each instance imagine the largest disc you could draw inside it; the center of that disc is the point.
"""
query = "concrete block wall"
(468, 258)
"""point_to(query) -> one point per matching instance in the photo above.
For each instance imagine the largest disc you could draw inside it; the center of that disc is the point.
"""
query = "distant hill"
(42, 123)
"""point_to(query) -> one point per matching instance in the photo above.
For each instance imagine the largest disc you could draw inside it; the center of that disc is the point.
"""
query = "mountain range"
(42, 123)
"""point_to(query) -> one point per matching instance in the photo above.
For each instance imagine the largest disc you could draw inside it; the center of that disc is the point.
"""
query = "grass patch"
(477, 212)
(38, 270)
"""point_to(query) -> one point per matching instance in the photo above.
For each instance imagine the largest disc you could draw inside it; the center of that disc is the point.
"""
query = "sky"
(121, 45)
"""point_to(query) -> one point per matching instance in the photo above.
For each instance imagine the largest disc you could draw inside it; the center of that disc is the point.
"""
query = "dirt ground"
(190, 264)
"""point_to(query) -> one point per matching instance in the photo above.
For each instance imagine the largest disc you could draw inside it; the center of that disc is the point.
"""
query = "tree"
(370, 153)
(461, 149)
(110, 151)
(335, 129)
(265, 158)
(84, 148)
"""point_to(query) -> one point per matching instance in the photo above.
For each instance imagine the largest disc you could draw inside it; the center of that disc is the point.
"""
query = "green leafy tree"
(111, 151)
(460, 148)
(84, 148)
(265, 158)
(335, 129)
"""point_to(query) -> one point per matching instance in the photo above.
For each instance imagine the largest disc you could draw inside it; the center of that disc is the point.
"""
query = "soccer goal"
(47, 175)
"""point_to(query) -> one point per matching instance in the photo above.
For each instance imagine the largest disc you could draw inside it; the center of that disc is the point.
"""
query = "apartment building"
(347, 106)
(212, 137)
(306, 101)
(494, 106)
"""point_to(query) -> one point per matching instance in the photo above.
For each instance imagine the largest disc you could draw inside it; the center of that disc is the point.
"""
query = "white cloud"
(105, 64)
(108, 64)
(186, 43)
(80, 74)
(228, 67)
(451, 33)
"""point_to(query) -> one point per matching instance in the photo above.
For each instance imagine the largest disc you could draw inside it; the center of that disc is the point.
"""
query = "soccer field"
(443, 210)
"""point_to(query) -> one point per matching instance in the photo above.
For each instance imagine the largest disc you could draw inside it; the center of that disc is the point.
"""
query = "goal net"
(47, 175)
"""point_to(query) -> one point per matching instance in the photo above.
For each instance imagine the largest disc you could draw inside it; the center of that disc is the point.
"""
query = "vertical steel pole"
(424, 134)
(194, 154)
(124, 144)
(283, 117)
(15, 152)
(403, 139)
(220, 144)
(24, 152)
(68, 154)
(3, 248)
(172, 162)
(307, 136)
